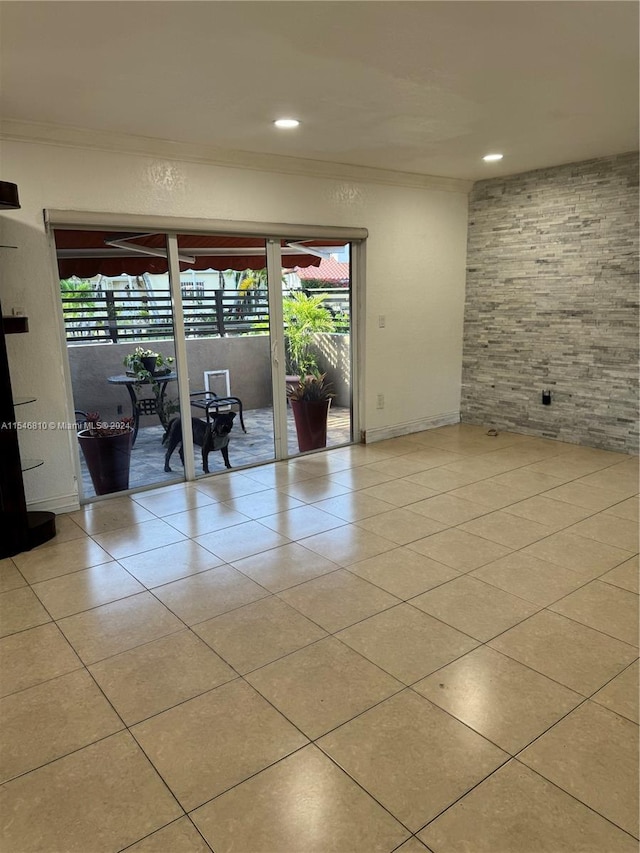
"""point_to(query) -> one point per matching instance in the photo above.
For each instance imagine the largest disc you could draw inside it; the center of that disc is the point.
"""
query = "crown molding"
(121, 143)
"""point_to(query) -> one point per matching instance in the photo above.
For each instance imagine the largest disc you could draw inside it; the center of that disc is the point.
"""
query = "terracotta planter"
(108, 459)
(311, 423)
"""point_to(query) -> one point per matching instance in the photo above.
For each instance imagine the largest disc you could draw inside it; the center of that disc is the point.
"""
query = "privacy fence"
(121, 316)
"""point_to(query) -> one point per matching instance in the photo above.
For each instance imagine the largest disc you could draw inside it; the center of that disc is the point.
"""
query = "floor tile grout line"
(165, 826)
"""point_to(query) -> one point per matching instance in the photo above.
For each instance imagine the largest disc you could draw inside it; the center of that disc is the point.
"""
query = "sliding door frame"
(273, 233)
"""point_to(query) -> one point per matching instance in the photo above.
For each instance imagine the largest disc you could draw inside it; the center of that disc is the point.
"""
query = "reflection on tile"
(440, 757)
(116, 627)
(20, 609)
(42, 564)
(574, 655)
(139, 537)
(264, 503)
(347, 544)
(303, 803)
(165, 502)
(301, 522)
(88, 588)
(402, 572)
(215, 741)
(106, 793)
(478, 609)
(322, 686)
(406, 643)
(592, 754)
(241, 540)
(536, 817)
(353, 506)
(337, 599)
(208, 594)
(285, 566)
(506, 702)
(621, 694)
(205, 519)
(170, 563)
(316, 489)
(165, 672)
(604, 607)
(112, 514)
(258, 633)
(458, 549)
(52, 719)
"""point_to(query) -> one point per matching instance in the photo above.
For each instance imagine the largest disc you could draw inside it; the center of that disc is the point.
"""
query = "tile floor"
(430, 643)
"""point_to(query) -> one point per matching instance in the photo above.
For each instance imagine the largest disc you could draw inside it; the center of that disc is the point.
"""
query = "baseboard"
(397, 430)
(59, 505)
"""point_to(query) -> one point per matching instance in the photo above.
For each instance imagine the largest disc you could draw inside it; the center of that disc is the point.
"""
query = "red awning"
(89, 253)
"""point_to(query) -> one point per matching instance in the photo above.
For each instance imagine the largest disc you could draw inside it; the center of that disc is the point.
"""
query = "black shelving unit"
(20, 530)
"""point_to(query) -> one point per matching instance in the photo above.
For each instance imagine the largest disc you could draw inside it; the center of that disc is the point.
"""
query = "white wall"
(415, 276)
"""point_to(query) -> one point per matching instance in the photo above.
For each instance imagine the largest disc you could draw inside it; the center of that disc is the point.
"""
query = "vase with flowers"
(106, 447)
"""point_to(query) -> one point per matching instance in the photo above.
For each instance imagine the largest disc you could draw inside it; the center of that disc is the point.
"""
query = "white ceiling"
(422, 87)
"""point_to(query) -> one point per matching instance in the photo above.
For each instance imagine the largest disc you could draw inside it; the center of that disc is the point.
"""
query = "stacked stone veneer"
(552, 303)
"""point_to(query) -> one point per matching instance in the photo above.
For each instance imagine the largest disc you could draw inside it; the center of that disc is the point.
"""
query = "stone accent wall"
(552, 303)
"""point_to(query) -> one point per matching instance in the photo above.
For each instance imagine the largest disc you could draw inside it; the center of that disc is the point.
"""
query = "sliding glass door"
(231, 329)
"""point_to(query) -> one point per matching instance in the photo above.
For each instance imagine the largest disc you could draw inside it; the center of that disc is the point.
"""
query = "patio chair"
(209, 401)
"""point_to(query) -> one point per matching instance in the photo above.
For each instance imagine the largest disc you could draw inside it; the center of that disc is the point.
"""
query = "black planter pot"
(149, 363)
(108, 459)
(311, 423)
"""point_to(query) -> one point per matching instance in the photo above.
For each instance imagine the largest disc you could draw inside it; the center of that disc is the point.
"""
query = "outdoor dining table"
(141, 405)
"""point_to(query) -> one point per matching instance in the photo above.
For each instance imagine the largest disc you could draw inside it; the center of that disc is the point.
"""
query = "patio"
(251, 448)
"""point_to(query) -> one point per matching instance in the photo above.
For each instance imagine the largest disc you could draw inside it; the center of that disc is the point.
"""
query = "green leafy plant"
(313, 388)
(304, 317)
(138, 363)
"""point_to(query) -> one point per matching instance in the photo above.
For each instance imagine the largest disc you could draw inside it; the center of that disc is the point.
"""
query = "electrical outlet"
(380, 403)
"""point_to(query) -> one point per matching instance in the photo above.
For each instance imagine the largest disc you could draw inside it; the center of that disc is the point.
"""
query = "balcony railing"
(120, 316)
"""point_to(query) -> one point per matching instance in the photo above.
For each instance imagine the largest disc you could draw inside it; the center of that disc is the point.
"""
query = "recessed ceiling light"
(489, 158)
(286, 122)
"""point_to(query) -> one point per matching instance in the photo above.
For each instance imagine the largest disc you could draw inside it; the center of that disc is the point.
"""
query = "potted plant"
(146, 363)
(149, 366)
(304, 317)
(106, 448)
(310, 399)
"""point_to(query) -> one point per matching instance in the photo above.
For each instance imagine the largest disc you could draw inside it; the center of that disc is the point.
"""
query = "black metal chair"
(209, 401)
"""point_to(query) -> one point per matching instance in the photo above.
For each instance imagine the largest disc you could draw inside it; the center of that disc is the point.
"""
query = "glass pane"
(317, 330)
(226, 327)
(119, 328)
